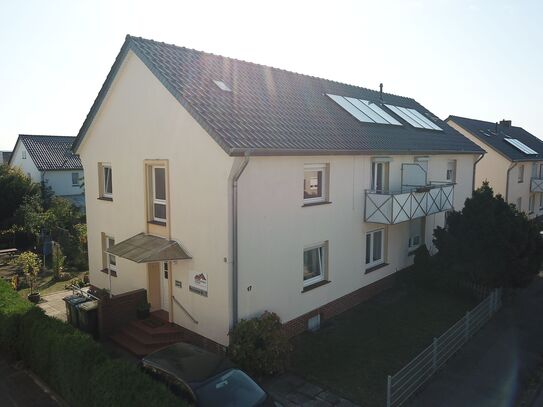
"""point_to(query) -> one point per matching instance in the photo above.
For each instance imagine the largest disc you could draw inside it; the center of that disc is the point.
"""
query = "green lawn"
(46, 284)
(354, 352)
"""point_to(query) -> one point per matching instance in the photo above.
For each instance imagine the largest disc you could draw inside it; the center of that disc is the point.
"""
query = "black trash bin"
(88, 317)
(71, 311)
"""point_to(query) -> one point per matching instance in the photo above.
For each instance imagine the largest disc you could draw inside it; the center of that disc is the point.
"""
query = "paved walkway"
(492, 367)
(18, 389)
(291, 390)
(54, 306)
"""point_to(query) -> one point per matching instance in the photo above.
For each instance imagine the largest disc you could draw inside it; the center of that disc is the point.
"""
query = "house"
(50, 160)
(4, 157)
(513, 164)
(226, 188)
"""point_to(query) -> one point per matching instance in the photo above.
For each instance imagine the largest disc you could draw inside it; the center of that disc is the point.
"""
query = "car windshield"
(231, 388)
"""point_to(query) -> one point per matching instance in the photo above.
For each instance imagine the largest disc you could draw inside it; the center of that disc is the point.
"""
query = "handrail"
(184, 309)
(408, 188)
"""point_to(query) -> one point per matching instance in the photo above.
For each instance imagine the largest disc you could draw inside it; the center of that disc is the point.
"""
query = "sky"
(479, 59)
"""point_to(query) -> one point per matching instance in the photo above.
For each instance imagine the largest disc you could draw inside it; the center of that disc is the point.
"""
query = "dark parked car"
(205, 378)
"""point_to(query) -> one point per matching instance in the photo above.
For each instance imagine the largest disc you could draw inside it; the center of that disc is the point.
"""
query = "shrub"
(422, 259)
(30, 264)
(259, 345)
(12, 308)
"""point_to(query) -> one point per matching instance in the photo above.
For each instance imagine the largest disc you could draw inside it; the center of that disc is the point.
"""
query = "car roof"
(188, 363)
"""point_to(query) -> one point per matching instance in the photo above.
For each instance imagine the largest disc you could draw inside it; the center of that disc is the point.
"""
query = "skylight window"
(414, 117)
(520, 146)
(364, 110)
(222, 86)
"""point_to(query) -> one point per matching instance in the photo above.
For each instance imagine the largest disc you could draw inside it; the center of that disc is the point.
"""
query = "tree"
(14, 187)
(30, 264)
(490, 242)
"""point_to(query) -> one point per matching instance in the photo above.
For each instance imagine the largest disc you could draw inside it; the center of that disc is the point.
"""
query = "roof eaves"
(236, 152)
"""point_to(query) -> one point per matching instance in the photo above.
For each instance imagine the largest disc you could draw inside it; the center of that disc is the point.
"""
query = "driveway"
(18, 389)
(491, 369)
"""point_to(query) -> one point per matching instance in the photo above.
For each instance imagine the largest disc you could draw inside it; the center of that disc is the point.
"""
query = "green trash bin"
(88, 317)
(71, 311)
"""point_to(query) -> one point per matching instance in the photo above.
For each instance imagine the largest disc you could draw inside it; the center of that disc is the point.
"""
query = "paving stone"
(296, 381)
(316, 403)
(310, 390)
(345, 403)
(298, 398)
(329, 397)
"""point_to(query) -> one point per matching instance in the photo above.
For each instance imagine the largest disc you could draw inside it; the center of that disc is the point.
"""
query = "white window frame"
(110, 267)
(155, 199)
(540, 171)
(23, 154)
(323, 263)
(384, 172)
(531, 203)
(519, 204)
(106, 194)
(410, 244)
(451, 166)
(521, 173)
(535, 167)
(77, 179)
(373, 262)
(324, 178)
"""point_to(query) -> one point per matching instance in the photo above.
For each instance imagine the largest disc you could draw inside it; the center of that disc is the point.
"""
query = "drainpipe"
(235, 179)
(507, 182)
(474, 165)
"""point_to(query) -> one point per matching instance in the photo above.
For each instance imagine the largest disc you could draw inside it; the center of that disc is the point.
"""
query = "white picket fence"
(402, 385)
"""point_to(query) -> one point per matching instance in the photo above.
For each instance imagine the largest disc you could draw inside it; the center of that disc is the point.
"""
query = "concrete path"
(53, 305)
(492, 367)
(18, 389)
(291, 390)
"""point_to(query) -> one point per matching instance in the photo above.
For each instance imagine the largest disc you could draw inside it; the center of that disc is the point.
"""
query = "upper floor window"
(375, 242)
(540, 174)
(106, 180)
(534, 170)
(379, 176)
(451, 171)
(159, 193)
(75, 179)
(521, 173)
(23, 154)
(315, 183)
(315, 263)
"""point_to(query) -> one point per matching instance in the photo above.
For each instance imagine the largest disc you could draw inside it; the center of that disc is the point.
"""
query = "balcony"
(536, 185)
(411, 202)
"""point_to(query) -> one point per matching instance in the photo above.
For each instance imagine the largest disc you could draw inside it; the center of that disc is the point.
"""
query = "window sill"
(156, 222)
(113, 273)
(375, 268)
(105, 198)
(315, 285)
(316, 203)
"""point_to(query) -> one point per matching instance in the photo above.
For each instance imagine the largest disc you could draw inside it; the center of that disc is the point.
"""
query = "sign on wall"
(198, 283)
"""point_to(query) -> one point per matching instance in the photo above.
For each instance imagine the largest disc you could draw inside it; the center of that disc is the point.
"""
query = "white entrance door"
(164, 286)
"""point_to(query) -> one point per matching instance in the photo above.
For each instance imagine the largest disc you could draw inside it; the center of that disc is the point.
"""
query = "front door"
(164, 286)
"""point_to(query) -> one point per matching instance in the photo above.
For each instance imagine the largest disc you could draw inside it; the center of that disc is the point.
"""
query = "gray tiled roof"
(273, 111)
(51, 152)
(496, 141)
(5, 156)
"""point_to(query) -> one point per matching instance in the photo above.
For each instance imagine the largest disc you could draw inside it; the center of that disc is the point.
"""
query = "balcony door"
(379, 176)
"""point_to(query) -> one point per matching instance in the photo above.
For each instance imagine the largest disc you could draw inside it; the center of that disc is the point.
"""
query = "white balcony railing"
(536, 185)
(410, 203)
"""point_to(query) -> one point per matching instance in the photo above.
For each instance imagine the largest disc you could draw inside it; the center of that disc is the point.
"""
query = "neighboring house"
(226, 188)
(4, 157)
(49, 159)
(513, 164)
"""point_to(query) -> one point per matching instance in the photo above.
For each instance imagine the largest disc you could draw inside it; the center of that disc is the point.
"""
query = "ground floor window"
(375, 242)
(315, 263)
(519, 204)
(111, 259)
(541, 200)
(416, 233)
(531, 203)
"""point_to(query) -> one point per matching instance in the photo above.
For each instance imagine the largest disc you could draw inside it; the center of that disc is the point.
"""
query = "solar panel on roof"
(405, 116)
(424, 119)
(521, 146)
(364, 110)
(414, 117)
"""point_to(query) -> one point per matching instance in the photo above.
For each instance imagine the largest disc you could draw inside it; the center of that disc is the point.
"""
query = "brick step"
(166, 330)
(146, 338)
(136, 348)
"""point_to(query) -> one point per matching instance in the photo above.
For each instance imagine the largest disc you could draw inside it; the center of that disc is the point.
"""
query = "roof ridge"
(256, 64)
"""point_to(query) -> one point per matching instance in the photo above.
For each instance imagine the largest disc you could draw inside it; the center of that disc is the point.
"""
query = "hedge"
(71, 362)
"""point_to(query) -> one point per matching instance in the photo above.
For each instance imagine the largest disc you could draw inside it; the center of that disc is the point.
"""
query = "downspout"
(507, 181)
(235, 179)
(474, 165)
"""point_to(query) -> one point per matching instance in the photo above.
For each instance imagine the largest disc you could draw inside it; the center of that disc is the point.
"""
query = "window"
(416, 233)
(159, 194)
(111, 260)
(379, 176)
(531, 203)
(75, 179)
(540, 171)
(106, 180)
(23, 154)
(541, 201)
(521, 173)
(315, 180)
(375, 242)
(519, 204)
(451, 171)
(534, 170)
(315, 263)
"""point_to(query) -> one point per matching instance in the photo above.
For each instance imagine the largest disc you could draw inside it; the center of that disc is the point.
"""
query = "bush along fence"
(402, 385)
(71, 362)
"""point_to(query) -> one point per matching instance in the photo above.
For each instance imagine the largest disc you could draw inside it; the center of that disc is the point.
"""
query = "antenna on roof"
(381, 93)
